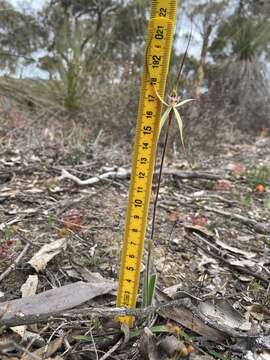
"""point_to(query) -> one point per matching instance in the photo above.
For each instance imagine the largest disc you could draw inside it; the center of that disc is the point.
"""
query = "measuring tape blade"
(157, 58)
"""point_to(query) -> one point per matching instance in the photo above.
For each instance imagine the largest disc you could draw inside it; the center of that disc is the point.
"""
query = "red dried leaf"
(72, 219)
(6, 249)
(237, 169)
(199, 220)
(224, 185)
(176, 216)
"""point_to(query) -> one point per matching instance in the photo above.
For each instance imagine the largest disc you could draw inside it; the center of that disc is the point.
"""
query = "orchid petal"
(184, 102)
(160, 98)
(164, 117)
(180, 125)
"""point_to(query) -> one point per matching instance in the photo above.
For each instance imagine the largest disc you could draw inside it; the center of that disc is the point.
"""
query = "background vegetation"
(82, 60)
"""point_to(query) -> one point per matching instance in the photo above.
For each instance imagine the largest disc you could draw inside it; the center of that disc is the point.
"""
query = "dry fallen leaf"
(55, 300)
(46, 351)
(185, 317)
(28, 289)
(199, 220)
(255, 266)
(237, 169)
(258, 312)
(40, 260)
(224, 314)
(263, 355)
(72, 219)
(7, 342)
(148, 346)
(174, 348)
(200, 357)
(224, 246)
(223, 185)
(176, 216)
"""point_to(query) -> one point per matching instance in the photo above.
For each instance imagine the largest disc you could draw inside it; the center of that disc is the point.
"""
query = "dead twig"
(139, 313)
(93, 342)
(25, 351)
(112, 350)
(257, 226)
(222, 259)
(16, 261)
(121, 173)
(11, 222)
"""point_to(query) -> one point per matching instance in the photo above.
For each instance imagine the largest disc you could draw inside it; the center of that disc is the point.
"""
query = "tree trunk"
(200, 70)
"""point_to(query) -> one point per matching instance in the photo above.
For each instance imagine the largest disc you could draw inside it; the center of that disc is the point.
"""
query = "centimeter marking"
(157, 58)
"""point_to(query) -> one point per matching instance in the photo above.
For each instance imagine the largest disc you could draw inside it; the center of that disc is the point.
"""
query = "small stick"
(16, 261)
(226, 262)
(93, 342)
(261, 228)
(21, 348)
(122, 173)
(11, 222)
(17, 319)
(109, 353)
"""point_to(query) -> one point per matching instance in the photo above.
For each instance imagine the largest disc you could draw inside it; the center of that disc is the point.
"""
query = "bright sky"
(36, 4)
(183, 26)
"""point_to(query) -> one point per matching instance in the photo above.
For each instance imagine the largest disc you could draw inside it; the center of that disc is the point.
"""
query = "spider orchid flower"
(174, 103)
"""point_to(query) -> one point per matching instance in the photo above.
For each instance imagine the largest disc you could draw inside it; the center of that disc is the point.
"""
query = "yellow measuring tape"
(157, 58)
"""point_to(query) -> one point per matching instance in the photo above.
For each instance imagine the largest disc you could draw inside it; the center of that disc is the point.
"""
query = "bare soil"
(35, 206)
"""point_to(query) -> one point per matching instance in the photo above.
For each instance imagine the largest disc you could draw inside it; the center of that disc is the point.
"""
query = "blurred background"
(75, 66)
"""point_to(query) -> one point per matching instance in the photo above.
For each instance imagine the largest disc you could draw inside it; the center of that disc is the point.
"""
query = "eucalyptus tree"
(88, 41)
(206, 16)
(20, 36)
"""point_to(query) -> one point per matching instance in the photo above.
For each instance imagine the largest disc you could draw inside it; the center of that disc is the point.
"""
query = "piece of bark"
(54, 301)
(187, 318)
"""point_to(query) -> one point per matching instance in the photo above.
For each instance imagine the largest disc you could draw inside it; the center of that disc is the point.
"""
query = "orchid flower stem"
(160, 174)
(150, 241)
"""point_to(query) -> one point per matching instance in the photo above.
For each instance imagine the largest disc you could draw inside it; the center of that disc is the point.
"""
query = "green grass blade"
(152, 288)
(145, 290)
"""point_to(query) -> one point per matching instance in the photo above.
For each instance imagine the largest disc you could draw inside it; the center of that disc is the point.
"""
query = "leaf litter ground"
(211, 251)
